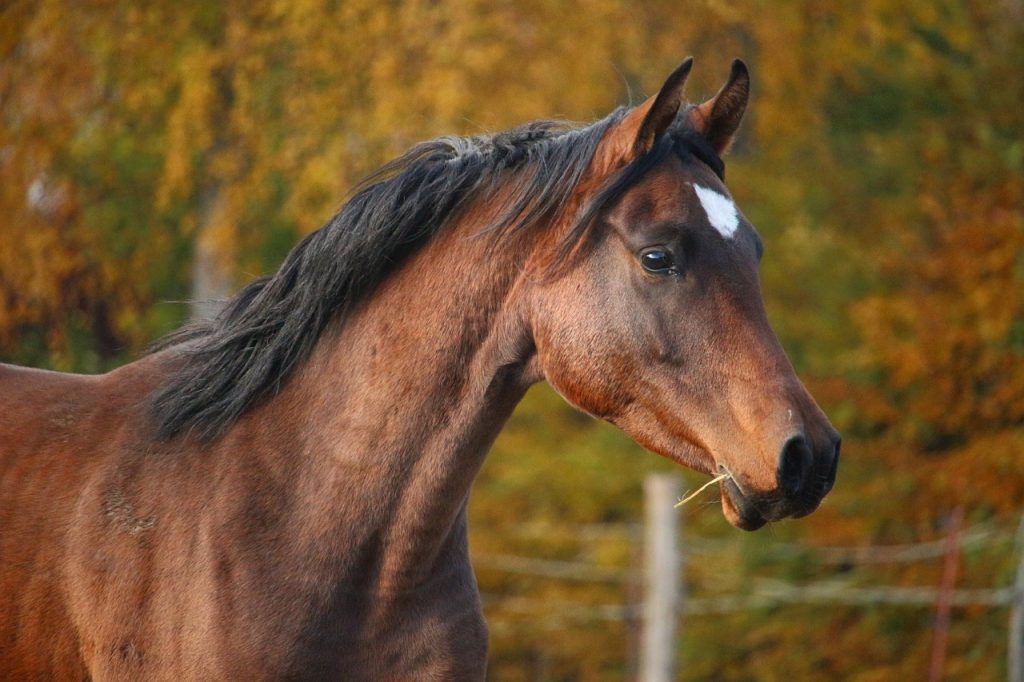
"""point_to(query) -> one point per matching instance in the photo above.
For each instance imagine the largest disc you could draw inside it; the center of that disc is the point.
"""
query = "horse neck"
(399, 406)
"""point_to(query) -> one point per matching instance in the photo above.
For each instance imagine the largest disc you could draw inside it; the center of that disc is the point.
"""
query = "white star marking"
(721, 211)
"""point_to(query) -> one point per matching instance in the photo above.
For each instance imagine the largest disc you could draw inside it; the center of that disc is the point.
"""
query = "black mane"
(252, 347)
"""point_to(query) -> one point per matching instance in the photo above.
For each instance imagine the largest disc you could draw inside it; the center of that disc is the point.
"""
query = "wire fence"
(849, 568)
(764, 593)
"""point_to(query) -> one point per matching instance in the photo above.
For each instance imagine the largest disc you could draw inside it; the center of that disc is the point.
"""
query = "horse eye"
(658, 261)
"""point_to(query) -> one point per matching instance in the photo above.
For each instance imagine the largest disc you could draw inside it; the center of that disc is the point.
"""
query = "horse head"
(655, 322)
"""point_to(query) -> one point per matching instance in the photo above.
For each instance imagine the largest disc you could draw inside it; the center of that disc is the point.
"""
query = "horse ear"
(663, 109)
(641, 128)
(718, 119)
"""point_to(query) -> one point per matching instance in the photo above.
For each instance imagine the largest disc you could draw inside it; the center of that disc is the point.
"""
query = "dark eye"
(658, 261)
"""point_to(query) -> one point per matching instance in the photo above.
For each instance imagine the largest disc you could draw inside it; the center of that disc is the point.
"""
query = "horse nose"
(795, 462)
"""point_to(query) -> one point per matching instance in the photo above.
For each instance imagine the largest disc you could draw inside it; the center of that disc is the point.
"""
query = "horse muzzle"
(803, 479)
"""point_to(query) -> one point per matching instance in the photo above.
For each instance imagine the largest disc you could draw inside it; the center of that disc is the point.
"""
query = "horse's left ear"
(718, 119)
(636, 134)
(662, 111)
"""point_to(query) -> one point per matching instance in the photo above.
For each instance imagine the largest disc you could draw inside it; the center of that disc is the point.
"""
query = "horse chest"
(426, 645)
(283, 634)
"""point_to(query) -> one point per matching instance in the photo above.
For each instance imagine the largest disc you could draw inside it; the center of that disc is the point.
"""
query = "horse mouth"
(739, 510)
(750, 512)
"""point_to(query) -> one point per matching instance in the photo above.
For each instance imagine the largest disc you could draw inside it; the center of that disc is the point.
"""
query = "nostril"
(794, 464)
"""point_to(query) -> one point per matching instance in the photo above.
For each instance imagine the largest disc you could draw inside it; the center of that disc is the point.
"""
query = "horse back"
(41, 412)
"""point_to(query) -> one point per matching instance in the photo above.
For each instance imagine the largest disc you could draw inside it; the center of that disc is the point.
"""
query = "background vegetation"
(155, 153)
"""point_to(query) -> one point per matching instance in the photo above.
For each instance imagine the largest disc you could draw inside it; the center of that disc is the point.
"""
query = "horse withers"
(281, 492)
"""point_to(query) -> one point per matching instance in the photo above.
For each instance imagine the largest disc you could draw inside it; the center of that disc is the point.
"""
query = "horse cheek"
(584, 370)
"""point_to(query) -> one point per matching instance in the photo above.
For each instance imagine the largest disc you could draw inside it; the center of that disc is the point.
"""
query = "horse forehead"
(663, 197)
(687, 197)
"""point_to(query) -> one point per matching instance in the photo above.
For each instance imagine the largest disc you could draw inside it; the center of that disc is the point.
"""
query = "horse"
(280, 492)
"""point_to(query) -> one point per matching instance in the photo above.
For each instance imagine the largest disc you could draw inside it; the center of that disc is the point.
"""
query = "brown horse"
(281, 492)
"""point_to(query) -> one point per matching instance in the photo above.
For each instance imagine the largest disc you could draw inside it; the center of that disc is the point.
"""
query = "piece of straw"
(698, 491)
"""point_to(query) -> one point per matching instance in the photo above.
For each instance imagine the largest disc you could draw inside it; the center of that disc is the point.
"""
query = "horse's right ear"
(637, 133)
(719, 118)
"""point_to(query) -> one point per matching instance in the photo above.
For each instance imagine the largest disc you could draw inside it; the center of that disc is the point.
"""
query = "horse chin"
(738, 510)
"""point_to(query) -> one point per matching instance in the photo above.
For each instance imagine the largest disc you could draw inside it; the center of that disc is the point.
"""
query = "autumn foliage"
(155, 153)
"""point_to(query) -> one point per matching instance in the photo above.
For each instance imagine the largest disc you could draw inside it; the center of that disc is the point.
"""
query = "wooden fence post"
(945, 601)
(662, 579)
(1015, 648)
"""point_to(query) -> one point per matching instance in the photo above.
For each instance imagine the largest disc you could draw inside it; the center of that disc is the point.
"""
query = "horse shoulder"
(59, 432)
